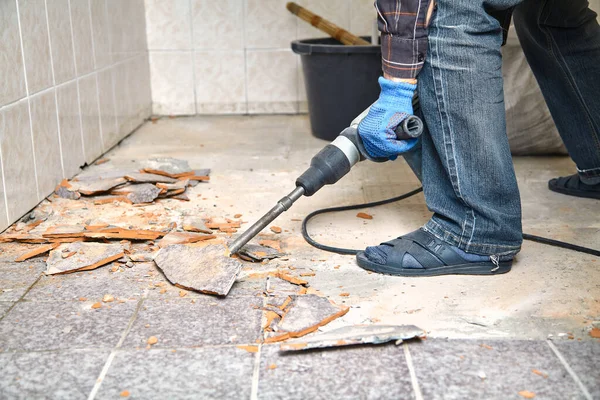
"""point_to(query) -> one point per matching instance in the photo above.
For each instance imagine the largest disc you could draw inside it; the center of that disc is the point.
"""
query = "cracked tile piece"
(204, 269)
(142, 177)
(195, 224)
(82, 256)
(179, 322)
(305, 314)
(451, 369)
(353, 335)
(97, 187)
(204, 373)
(69, 374)
(172, 238)
(373, 372)
(140, 193)
(37, 251)
(36, 325)
(167, 166)
(257, 253)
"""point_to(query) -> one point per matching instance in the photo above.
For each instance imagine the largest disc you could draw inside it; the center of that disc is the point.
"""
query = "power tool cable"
(341, 250)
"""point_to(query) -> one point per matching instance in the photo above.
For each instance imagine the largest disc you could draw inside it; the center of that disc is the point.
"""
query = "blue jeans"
(464, 160)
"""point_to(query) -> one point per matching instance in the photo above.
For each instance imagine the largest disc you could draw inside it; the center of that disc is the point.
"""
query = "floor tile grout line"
(256, 374)
(113, 352)
(564, 362)
(22, 297)
(412, 372)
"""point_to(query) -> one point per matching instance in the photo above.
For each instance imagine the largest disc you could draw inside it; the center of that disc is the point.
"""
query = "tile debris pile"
(120, 217)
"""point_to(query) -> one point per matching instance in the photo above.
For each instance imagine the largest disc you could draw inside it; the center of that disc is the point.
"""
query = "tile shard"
(195, 224)
(183, 238)
(201, 269)
(167, 166)
(86, 256)
(258, 253)
(143, 177)
(355, 335)
(304, 314)
(99, 186)
(37, 251)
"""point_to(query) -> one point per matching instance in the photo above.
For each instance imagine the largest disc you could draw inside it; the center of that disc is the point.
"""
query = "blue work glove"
(377, 129)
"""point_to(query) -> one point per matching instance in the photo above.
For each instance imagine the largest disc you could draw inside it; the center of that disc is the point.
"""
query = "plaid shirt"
(403, 36)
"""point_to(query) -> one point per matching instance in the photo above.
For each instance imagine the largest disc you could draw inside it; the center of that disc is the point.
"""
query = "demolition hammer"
(326, 168)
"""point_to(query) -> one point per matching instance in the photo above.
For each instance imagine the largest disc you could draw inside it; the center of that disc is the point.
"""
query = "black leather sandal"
(572, 186)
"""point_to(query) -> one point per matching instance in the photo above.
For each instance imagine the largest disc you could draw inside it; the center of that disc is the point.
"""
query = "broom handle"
(328, 27)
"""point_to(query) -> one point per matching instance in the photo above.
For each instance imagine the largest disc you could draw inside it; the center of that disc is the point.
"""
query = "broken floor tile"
(167, 166)
(353, 335)
(305, 314)
(254, 252)
(373, 372)
(179, 322)
(37, 251)
(65, 193)
(203, 373)
(183, 238)
(452, 369)
(82, 256)
(69, 374)
(37, 325)
(98, 187)
(195, 224)
(143, 177)
(204, 269)
(138, 193)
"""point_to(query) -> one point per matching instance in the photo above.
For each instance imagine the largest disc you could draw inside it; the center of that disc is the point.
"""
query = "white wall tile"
(100, 34)
(45, 137)
(218, 24)
(141, 95)
(12, 75)
(168, 24)
(269, 24)
(82, 36)
(172, 79)
(122, 98)
(221, 82)
(17, 159)
(336, 11)
(61, 40)
(70, 128)
(117, 28)
(3, 216)
(272, 81)
(90, 118)
(36, 44)
(362, 17)
(108, 117)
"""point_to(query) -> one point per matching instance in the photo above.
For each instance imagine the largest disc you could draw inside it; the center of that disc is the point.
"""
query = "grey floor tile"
(186, 322)
(16, 278)
(366, 372)
(207, 373)
(64, 325)
(453, 369)
(584, 359)
(4, 307)
(68, 374)
(127, 283)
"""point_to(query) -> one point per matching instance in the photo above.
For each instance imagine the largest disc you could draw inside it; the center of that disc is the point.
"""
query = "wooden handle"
(328, 27)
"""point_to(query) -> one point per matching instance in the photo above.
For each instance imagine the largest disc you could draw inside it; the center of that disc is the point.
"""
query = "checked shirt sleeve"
(403, 36)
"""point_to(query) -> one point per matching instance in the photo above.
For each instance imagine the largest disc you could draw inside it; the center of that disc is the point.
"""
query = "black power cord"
(340, 250)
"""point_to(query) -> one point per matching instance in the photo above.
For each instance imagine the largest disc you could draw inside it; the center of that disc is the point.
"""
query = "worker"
(463, 158)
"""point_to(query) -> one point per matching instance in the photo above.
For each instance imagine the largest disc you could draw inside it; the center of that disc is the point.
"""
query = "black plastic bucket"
(341, 82)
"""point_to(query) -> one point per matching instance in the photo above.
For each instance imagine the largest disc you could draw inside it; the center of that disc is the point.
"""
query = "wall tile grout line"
(37, 185)
(193, 57)
(60, 149)
(77, 82)
(113, 352)
(412, 372)
(96, 75)
(565, 364)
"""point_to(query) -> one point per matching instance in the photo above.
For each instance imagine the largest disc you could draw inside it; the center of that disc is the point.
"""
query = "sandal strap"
(425, 248)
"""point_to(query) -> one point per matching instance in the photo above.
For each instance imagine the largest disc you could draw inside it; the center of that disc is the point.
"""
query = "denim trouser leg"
(467, 170)
(561, 40)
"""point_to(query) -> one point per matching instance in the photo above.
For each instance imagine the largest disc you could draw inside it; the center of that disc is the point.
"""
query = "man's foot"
(419, 253)
(573, 186)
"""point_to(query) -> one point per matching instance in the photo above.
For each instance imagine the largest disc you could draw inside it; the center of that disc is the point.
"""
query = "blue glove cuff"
(396, 95)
